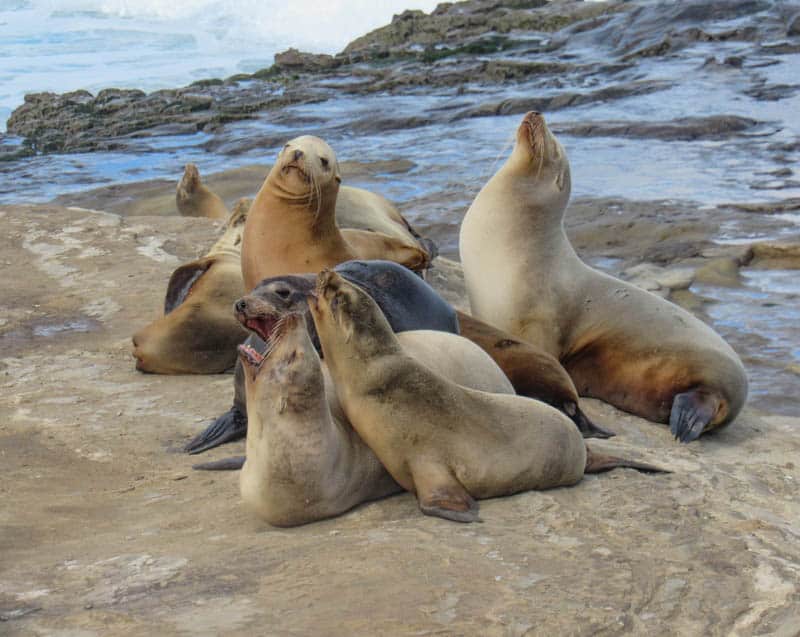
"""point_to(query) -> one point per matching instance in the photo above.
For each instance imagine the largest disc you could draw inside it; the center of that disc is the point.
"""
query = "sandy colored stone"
(101, 533)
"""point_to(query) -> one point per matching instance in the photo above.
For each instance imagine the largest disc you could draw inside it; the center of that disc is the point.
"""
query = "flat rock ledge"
(107, 530)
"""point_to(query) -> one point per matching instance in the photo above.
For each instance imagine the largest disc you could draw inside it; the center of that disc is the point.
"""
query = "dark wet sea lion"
(618, 342)
(446, 443)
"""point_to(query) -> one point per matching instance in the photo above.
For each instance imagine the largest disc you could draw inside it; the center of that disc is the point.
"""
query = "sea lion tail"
(600, 463)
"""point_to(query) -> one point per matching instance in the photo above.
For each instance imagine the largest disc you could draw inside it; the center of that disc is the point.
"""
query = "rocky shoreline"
(466, 46)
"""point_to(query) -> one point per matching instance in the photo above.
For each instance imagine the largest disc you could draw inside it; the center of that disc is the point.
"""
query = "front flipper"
(691, 412)
(441, 495)
(226, 464)
(587, 428)
(232, 425)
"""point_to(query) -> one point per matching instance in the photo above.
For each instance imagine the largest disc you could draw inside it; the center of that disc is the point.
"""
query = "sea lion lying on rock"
(408, 303)
(446, 443)
(304, 460)
(198, 334)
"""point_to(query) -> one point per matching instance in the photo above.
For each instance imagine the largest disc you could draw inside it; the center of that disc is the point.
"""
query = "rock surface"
(105, 528)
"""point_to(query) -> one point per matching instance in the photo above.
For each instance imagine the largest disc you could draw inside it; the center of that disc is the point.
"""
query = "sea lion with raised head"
(193, 199)
(446, 443)
(409, 303)
(291, 226)
(198, 334)
(304, 460)
(618, 342)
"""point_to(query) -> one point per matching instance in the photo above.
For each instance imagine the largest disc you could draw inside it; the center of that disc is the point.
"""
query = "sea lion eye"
(324, 162)
(283, 293)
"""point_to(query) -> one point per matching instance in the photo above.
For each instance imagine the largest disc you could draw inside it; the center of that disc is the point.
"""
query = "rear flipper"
(232, 425)
(600, 463)
(226, 464)
(441, 495)
(691, 412)
(587, 428)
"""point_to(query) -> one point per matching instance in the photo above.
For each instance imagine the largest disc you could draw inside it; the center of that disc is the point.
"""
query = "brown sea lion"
(408, 303)
(291, 226)
(193, 199)
(618, 342)
(447, 443)
(198, 333)
(304, 460)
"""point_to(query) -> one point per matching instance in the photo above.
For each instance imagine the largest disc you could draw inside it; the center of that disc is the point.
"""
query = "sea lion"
(445, 442)
(291, 226)
(618, 342)
(198, 334)
(408, 302)
(533, 372)
(193, 199)
(304, 460)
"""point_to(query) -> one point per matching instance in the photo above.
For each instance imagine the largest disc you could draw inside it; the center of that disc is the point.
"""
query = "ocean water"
(64, 45)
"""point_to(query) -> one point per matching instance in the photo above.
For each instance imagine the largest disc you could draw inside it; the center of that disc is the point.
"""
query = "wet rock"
(682, 129)
(294, 60)
(722, 271)
(459, 23)
(776, 255)
(794, 26)
(564, 100)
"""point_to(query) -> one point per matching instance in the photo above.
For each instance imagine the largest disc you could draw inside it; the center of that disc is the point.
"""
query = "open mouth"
(249, 354)
(263, 325)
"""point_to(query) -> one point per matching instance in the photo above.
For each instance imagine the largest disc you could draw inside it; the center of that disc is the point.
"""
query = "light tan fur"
(193, 199)
(304, 460)
(291, 226)
(445, 442)
(619, 343)
(198, 333)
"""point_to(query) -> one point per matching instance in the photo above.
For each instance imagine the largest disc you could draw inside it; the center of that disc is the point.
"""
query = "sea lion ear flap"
(182, 280)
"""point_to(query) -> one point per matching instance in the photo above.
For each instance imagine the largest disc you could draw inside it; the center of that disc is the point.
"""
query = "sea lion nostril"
(298, 154)
(241, 305)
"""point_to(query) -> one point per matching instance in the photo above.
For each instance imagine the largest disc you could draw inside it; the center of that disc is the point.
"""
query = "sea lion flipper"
(600, 463)
(441, 495)
(226, 464)
(182, 280)
(691, 412)
(587, 428)
(232, 425)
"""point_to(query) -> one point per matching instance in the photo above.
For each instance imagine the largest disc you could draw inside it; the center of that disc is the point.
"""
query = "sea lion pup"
(445, 442)
(408, 302)
(291, 226)
(198, 334)
(304, 460)
(193, 199)
(618, 342)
